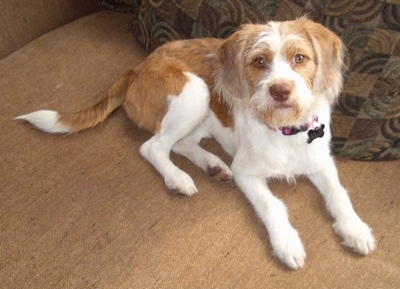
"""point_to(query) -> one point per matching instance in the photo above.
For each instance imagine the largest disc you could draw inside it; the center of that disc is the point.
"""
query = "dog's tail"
(54, 122)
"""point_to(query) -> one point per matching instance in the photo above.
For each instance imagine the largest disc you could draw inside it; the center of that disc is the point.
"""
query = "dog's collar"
(314, 128)
(292, 130)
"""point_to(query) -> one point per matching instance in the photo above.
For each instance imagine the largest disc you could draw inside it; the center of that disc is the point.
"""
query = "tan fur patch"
(276, 118)
(222, 110)
(307, 69)
(231, 80)
(146, 101)
(205, 58)
(162, 75)
(329, 53)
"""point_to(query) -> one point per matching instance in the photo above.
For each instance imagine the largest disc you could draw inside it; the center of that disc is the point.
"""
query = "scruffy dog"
(264, 94)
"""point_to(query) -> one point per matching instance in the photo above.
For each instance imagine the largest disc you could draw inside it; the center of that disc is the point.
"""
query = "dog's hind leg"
(189, 147)
(185, 112)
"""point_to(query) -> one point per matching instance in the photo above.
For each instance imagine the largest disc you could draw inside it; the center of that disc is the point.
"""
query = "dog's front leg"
(355, 233)
(284, 239)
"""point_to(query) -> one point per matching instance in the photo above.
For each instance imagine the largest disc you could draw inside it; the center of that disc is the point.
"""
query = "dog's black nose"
(281, 91)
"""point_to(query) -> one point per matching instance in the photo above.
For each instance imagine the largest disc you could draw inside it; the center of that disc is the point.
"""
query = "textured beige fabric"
(86, 211)
(22, 21)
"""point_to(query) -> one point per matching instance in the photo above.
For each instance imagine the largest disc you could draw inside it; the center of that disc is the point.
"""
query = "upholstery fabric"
(121, 5)
(366, 120)
(23, 21)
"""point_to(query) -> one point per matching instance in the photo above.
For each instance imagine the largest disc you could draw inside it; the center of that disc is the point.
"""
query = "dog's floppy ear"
(230, 81)
(329, 51)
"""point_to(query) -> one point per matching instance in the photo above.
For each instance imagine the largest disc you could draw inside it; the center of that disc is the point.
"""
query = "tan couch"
(86, 211)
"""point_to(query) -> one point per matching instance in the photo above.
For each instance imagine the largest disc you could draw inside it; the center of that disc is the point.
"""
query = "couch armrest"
(22, 21)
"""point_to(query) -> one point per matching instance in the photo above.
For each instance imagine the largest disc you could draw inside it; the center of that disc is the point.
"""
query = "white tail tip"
(46, 120)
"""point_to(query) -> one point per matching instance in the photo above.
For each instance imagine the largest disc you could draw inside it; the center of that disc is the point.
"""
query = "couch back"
(22, 21)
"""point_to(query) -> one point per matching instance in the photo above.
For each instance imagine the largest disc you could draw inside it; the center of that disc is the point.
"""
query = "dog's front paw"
(181, 182)
(356, 235)
(289, 249)
(221, 173)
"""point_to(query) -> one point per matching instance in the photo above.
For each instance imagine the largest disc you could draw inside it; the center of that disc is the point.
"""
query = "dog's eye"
(260, 62)
(299, 58)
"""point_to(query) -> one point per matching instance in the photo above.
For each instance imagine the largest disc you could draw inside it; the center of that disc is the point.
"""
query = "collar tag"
(317, 130)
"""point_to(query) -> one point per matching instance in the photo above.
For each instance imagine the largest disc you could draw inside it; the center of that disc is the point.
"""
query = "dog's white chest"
(272, 154)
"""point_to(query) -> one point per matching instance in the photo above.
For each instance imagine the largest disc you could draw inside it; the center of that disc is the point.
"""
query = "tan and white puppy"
(264, 94)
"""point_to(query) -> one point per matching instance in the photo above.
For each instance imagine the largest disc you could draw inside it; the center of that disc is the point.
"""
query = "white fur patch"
(185, 112)
(46, 120)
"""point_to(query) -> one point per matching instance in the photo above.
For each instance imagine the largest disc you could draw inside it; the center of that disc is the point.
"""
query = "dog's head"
(283, 68)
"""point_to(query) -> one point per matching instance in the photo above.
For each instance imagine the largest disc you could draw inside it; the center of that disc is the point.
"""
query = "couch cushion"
(23, 21)
(366, 121)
